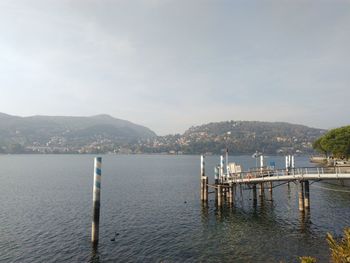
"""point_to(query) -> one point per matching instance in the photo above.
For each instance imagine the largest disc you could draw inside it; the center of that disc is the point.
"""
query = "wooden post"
(262, 190)
(230, 194)
(219, 195)
(202, 189)
(216, 174)
(254, 194)
(301, 196)
(96, 201)
(307, 195)
(270, 190)
(206, 181)
(233, 193)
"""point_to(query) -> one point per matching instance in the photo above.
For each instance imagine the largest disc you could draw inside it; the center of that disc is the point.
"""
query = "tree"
(335, 142)
(318, 146)
(340, 252)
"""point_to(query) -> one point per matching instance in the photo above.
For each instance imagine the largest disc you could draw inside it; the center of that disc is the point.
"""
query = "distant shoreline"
(164, 154)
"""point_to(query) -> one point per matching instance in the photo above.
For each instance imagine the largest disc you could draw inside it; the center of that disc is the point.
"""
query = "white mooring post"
(227, 168)
(292, 164)
(261, 163)
(289, 162)
(96, 201)
(221, 168)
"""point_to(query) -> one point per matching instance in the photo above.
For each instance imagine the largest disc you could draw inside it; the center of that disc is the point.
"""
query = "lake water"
(152, 201)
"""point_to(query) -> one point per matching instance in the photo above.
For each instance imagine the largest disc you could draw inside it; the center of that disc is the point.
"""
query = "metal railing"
(267, 172)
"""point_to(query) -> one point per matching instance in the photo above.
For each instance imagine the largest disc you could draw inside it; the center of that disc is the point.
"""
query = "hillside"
(240, 137)
(66, 134)
(103, 133)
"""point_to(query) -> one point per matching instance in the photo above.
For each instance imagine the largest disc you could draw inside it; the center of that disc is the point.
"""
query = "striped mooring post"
(96, 201)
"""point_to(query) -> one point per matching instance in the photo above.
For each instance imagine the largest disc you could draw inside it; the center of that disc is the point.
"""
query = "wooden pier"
(262, 178)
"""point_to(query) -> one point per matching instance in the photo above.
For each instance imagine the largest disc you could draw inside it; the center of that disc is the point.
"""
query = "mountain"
(66, 133)
(240, 137)
(103, 133)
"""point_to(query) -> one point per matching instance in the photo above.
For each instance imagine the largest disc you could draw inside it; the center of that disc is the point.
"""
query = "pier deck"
(264, 177)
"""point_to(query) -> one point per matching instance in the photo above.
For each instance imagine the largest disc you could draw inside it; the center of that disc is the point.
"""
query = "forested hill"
(66, 134)
(241, 137)
(105, 134)
(249, 136)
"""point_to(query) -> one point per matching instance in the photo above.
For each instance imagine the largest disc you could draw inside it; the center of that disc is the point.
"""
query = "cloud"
(170, 64)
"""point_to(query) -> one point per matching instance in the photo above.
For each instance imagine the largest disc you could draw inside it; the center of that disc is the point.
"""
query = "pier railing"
(268, 172)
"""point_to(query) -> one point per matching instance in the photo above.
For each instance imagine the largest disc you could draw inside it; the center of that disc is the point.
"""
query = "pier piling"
(219, 196)
(206, 181)
(96, 201)
(255, 198)
(307, 195)
(262, 190)
(216, 174)
(222, 172)
(230, 194)
(301, 196)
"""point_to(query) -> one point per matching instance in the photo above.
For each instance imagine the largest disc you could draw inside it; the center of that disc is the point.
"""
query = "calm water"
(46, 203)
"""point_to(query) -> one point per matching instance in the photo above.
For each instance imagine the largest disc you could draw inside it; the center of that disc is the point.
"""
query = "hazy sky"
(170, 64)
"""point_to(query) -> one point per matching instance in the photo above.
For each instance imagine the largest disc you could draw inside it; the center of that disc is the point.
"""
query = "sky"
(172, 64)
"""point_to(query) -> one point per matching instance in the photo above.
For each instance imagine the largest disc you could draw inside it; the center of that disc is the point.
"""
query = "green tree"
(318, 146)
(335, 142)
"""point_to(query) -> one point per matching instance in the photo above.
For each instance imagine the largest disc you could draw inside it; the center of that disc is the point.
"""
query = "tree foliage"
(340, 251)
(335, 142)
(307, 260)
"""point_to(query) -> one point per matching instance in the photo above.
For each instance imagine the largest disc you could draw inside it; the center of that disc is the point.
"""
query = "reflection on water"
(95, 256)
(153, 202)
(253, 210)
(305, 221)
